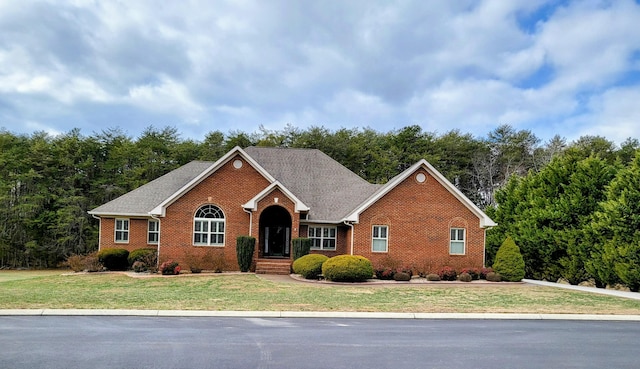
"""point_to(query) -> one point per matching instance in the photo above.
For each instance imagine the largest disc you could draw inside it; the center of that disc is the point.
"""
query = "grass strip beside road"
(249, 292)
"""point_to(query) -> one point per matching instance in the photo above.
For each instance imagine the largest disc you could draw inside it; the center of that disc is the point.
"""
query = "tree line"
(48, 183)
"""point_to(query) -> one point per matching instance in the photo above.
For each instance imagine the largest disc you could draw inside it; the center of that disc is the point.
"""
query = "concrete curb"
(314, 314)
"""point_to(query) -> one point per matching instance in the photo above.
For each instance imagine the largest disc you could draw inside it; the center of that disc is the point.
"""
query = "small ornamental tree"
(245, 246)
(509, 262)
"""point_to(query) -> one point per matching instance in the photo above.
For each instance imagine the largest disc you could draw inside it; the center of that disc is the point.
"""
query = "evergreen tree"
(509, 262)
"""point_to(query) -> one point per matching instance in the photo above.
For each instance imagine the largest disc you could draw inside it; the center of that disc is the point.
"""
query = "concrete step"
(271, 266)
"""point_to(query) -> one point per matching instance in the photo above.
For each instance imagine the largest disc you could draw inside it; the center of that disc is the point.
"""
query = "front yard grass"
(250, 292)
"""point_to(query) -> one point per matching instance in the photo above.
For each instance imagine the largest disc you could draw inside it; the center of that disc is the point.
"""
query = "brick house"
(418, 218)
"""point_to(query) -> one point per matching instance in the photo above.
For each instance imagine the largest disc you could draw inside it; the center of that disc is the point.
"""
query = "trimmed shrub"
(84, 263)
(170, 267)
(509, 262)
(301, 247)
(143, 255)
(448, 274)
(114, 258)
(433, 277)
(347, 268)
(245, 246)
(473, 272)
(139, 266)
(309, 266)
(465, 277)
(402, 277)
(384, 273)
(484, 272)
(493, 277)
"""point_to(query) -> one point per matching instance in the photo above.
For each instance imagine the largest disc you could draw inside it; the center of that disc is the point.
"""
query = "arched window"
(208, 226)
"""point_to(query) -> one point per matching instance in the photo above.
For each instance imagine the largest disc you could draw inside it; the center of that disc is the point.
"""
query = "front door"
(275, 232)
(276, 241)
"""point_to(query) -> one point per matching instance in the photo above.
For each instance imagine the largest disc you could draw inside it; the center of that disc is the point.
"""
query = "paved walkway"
(602, 291)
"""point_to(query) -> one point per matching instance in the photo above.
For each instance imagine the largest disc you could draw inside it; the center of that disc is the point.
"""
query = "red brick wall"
(227, 188)
(137, 234)
(419, 217)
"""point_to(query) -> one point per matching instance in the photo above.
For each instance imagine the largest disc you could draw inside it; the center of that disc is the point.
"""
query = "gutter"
(250, 219)
(350, 225)
(99, 229)
(159, 236)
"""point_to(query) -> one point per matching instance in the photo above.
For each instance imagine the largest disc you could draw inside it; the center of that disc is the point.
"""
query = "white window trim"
(124, 231)
(209, 233)
(150, 232)
(464, 241)
(386, 239)
(322, 238)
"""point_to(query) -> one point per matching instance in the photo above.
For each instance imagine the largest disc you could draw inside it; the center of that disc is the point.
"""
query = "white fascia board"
(119, 215)
(485, 221)
(253, 203)
(160, 210)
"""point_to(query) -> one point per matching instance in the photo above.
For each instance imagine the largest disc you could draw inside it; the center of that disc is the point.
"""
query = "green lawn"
(250, 292)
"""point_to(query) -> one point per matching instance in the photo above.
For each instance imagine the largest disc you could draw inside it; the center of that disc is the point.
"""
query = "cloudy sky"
(553, 67)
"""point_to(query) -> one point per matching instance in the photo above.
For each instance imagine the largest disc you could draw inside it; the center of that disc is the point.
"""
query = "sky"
(568, 68)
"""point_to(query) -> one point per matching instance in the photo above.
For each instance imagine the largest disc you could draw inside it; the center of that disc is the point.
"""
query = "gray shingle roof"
(328, 188)
(146, 197)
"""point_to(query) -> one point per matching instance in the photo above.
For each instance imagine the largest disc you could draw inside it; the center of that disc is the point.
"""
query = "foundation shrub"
(114, 258)
(245, 247)
(465, 277)
(170, 267)
(139, 266)
(301, 247)
(309, 266)
(347, 268)
(447, 273)
(484, 272)
(147, 258)
(473, 272)
(402, 277)
(84, 263)
(493, 277)
(433, 277)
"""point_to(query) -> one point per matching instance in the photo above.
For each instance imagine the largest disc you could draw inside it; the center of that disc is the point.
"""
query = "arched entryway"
(275, 232)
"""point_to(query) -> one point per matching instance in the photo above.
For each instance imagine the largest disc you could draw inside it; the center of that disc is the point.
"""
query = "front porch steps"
(273, 266)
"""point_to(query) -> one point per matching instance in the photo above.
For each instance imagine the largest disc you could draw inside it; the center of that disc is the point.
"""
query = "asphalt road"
(154, 342)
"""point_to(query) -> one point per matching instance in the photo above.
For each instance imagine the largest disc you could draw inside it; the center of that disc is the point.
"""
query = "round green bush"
(433, 277)
(309, 266)
(509, 262)
(402, 277)
(465, 277)
(142, 255)
(114, 258)
(493, 277)
(347, 268)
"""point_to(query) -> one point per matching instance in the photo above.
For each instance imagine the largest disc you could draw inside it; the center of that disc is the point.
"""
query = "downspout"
(99, 230)
(350, 226)
(159, 236)
(250, 219)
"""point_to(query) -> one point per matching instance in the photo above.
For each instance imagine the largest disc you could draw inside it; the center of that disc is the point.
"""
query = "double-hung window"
(380, 238)
(122, 230)
(153, 232)
(208, 226)
(456, 243)
(322, 238)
